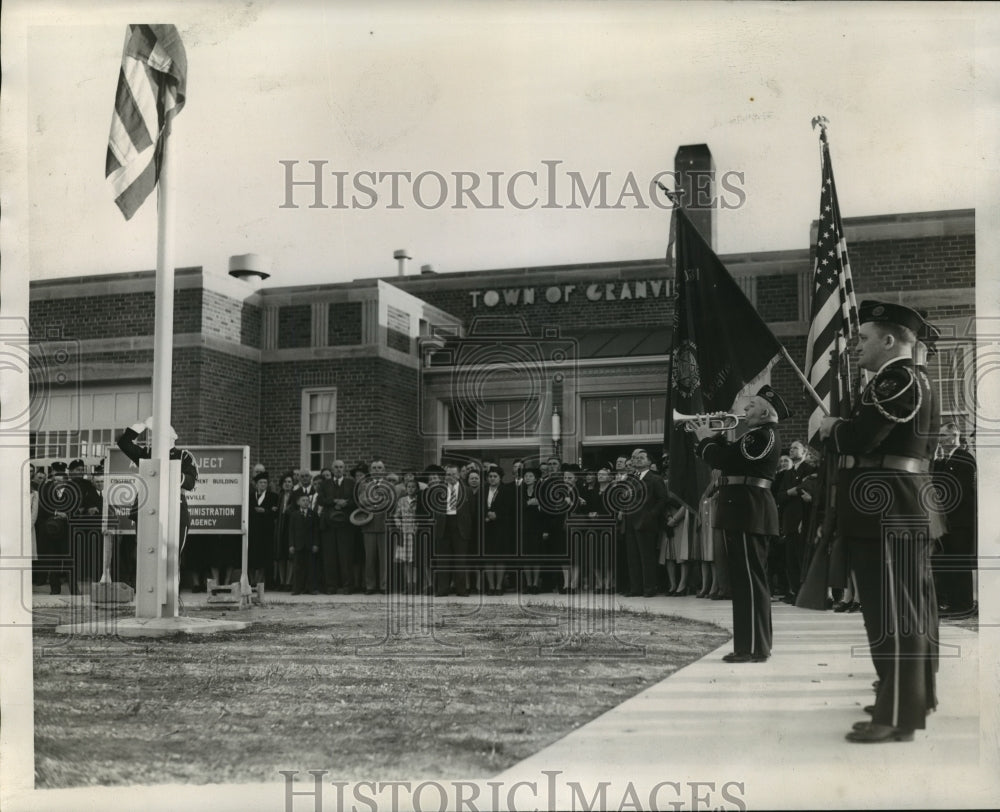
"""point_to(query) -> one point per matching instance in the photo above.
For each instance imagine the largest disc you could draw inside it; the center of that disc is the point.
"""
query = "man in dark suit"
(303, 546)
(776, 551)
(747, 515)
(642, 527)
(335, 502)
(517, 472)
(86, 539)
(306, 486)
(882, 511)
(377, 496)
(453, 533)
(57, 501)
(955, 560)
(793, 500)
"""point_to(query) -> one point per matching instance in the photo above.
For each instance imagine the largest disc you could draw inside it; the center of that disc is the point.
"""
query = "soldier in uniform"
(189, 471)
(748, 516)
(883, 512)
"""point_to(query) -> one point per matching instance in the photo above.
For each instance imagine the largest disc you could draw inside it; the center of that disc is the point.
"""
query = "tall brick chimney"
(696, 176)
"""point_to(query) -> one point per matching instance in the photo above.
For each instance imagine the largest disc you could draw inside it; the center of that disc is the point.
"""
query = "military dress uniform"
(885, 513)
(189, 471)
(747, 515)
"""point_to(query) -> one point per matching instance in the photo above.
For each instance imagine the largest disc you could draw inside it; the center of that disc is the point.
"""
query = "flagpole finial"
(674, 197)
(822, 121)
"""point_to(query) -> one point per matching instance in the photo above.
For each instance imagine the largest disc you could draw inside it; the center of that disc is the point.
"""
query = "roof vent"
(251, 268)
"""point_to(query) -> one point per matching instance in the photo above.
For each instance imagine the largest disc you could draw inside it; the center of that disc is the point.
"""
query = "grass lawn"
(319, 686)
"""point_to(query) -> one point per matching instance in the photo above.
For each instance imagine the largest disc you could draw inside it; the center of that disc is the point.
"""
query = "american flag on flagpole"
(834, 308)
(150, 93)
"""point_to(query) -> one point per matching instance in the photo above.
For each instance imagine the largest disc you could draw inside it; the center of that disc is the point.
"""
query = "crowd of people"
(458, 528)
(66, 525)
(518, 529)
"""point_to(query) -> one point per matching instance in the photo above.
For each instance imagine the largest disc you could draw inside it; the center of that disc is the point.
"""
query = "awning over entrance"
(629, 342)
(623, 343)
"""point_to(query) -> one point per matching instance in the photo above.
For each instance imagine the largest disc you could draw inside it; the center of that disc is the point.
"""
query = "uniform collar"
(891, 361)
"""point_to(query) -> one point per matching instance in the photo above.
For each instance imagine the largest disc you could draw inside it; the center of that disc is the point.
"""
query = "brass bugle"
(717, 421)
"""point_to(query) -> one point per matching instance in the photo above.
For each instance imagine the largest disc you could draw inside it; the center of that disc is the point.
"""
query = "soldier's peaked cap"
(890, 313)
(772, 397)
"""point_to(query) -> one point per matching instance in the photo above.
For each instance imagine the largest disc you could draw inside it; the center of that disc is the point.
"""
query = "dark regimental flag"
(834, 309)
(150, 93)
(719, 345)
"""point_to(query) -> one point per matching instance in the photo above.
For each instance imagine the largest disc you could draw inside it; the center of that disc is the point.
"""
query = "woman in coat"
(600, 551)
(282, 561)
(498, 529)
(530, 524)
(575, 507)
(261, 522)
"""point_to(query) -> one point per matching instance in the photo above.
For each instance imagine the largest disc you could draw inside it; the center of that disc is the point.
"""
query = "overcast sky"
(484, 88)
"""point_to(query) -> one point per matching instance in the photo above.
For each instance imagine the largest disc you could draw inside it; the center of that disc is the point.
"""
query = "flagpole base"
(150, 627)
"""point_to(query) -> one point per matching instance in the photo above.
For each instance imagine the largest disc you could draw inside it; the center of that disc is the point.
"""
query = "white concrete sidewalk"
(777, 728)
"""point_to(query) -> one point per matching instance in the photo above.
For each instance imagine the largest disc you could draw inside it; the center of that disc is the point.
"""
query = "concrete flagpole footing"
(150, 627)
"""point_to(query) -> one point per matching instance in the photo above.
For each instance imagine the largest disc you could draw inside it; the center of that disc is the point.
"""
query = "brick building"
(420, 367)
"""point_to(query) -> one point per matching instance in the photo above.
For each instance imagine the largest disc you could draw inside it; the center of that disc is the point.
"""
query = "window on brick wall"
(626, 416)
(319, 427)
(83, 423)
(90, 445)
(952, 372)
(493, 420)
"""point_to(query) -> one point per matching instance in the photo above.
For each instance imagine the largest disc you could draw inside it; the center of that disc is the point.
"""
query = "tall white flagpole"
(163, 336)
(158, 555)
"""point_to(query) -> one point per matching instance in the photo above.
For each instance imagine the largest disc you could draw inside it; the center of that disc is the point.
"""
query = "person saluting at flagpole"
(189, 471)
(748, 516)
(887, 442)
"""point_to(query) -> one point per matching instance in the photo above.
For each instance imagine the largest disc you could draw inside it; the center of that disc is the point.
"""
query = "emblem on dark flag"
(684, 369)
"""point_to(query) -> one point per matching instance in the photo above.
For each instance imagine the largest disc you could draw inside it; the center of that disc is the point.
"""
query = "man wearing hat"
(55, 504)
(886, 446)
(748, 516)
